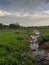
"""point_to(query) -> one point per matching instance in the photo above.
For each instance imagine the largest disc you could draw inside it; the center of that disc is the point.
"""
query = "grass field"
(12, 35)
(14, 45)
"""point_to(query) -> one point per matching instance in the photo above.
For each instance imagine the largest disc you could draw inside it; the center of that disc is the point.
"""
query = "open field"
(12, 35)
(14, 45)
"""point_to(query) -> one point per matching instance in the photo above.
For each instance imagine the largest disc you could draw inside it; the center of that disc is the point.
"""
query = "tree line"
(13, 25)
(10, 26)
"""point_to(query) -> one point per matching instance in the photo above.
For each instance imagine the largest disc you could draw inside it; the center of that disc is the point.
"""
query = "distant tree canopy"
(1, 25)
(10, 26)
(14, 25)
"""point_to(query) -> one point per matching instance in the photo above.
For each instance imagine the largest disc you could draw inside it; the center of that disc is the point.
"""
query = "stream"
(42, 57)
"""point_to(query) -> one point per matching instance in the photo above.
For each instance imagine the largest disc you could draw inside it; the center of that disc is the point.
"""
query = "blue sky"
(24, 5)
(27, 10)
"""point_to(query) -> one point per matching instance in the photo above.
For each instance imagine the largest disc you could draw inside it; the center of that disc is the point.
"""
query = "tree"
(14, 26)
(1, 25)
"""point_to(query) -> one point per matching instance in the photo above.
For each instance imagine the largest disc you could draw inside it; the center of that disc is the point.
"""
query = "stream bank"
(45, 46)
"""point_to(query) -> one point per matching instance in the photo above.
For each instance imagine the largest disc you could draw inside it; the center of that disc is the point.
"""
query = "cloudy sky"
(25, 12)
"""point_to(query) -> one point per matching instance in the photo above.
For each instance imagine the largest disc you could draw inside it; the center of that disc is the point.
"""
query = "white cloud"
(25, 15)
(39, 14)
(40, 18)
(3, 13)
(16, 14)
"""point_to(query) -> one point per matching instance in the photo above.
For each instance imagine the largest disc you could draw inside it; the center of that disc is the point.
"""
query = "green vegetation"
(44, 33)
(14, 44)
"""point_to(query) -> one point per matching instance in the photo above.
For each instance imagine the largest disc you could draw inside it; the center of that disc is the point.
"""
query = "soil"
(43, 45)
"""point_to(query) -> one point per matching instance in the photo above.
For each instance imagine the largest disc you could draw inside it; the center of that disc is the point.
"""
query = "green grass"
(7, 36)
(14, 47)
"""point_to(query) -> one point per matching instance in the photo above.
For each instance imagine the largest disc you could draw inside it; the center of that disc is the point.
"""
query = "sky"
(25, 12)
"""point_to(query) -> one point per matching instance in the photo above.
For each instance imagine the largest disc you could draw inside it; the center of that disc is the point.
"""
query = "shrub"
(20, 38)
